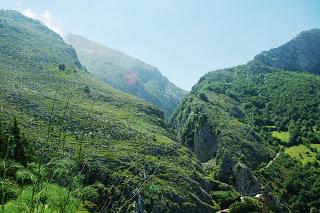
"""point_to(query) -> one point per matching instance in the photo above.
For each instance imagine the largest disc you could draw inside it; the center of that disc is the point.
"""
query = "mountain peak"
(301, 53)
(127, 73)
(25, 41)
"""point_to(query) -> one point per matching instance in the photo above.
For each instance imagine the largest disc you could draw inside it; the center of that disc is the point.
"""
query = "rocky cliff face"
(205, 143)
(245, 182)
(212, 126)
(238, 174)
(301, 53)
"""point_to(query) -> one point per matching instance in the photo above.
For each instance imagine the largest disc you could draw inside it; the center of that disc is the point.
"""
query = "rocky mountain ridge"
(301, 53)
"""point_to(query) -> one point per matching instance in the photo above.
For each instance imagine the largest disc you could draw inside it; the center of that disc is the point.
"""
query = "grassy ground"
(283, 136)
(316, 146)
(118, 136)
(301, 153)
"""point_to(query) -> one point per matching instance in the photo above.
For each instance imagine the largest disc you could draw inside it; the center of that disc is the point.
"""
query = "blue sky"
(183, 38)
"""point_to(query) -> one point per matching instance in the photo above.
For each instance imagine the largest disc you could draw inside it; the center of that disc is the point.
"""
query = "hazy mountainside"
(235, 120)
(78, 143)
(127, 73)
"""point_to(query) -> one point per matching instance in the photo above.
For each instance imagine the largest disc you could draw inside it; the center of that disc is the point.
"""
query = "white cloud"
(29, 13)
(45, 17)
(47, 14)
(19, 3)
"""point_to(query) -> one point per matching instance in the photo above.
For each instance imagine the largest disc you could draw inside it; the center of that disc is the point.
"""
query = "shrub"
(318, 156)
(90, 193)
(53, 198)
(203, 97)
(87, 89)
(25, 177)
(247, 205)
(62, 67)
(23, 151)
(8, 191)
(225, 198)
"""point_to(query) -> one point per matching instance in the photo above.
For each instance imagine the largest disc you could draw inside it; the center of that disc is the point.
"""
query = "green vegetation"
(25, 183)
(316, 146)
(292, 186)
(244, 115)
(301, 53)
(52, 199)
(70, 142)
(62, 67)
(283, 136)
(247, 205)
(30, 45)
(226, 198)
(78, 143)
(301, 153)
(128, 74)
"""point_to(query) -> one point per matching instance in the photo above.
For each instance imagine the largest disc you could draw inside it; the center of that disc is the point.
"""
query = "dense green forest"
(70, 142)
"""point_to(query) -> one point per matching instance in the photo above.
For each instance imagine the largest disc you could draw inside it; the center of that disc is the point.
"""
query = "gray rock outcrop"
(301, 53)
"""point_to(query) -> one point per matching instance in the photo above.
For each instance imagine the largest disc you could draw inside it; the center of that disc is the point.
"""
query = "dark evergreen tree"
(20, 144)
(87, 89)
(3, 141)
(62, 67)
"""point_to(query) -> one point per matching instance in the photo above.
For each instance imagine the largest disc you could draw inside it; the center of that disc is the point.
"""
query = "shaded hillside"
(236, 119)
(301, 53)
(127, 74)
(77, 143)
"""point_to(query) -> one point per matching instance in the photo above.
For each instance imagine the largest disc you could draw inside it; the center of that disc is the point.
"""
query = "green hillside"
(72, 142)
(127, 73)
(230, 118)
(27, 44)
(69, 141)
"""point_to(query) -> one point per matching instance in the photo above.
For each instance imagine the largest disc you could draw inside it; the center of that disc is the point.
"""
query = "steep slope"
(95, 146)
(236, 119)
(212, 122)
(301, 53)
(127, 74)
(25, 43)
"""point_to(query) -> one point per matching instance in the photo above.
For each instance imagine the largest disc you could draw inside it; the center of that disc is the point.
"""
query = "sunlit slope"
(120, 141)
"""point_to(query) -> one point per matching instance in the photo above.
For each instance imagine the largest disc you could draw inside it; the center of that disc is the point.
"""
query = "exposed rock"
(205, 143)
(225, 172)
(245, 182)
(139, 204)
(239, 175)
(301, 53)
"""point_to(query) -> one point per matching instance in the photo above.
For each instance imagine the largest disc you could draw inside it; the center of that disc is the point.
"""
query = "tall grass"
(40, 187)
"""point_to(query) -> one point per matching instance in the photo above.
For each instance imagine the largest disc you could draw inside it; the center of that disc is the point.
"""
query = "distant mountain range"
(127, 73)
